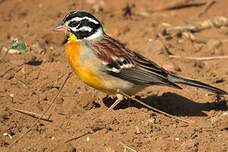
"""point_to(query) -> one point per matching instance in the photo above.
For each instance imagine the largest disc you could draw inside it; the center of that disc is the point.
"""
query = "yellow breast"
(84, 72)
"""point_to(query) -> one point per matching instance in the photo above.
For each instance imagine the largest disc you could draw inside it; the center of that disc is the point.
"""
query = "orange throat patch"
(84, 72)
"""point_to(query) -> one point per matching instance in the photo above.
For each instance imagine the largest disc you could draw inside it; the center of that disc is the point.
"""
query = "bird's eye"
(73, 24)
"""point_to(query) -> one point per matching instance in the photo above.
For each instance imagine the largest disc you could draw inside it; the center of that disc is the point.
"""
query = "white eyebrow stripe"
(77, 19)
(85, 28)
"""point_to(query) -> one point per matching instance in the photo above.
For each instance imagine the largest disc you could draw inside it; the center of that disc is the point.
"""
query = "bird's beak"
(60, 27)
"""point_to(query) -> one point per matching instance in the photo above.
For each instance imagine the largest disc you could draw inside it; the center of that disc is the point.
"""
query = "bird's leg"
(119, 99)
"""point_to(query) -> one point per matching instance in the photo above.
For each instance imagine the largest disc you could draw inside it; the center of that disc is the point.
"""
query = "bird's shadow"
(172, 103)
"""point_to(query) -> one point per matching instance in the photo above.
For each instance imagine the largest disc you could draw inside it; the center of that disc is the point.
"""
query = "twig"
(155, 109)
(200, 58)
(181, 29)
(193, 38)
(2, 75)
(161, 37)
(4, 55)
(205, 9)
(180, 4)
(35, 123)
(126, 147)
(217, 22)
(34, 115)
(23, 82)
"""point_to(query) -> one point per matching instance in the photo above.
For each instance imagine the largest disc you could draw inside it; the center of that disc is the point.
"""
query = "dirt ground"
(29, 81)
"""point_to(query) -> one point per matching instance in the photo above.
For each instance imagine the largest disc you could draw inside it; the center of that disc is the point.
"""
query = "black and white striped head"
(82, 24)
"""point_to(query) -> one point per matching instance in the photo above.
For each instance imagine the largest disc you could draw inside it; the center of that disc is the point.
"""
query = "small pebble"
(11, 95)
(225, 114)
(137, 130)
(87, 139)
(164, 25)
(152, 120)
(6, 134)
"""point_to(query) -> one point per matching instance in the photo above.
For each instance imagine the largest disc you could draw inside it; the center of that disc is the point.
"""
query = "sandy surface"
(30, 80)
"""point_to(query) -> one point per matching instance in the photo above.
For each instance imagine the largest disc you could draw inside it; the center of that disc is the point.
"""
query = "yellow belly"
(84, 72)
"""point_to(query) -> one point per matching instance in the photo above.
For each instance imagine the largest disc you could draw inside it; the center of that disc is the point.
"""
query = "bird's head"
(81, 25)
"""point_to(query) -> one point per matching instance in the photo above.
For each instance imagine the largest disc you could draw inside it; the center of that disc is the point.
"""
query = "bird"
(105, 64)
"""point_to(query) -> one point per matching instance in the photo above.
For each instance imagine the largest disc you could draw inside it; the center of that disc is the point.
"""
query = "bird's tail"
(176, 79)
